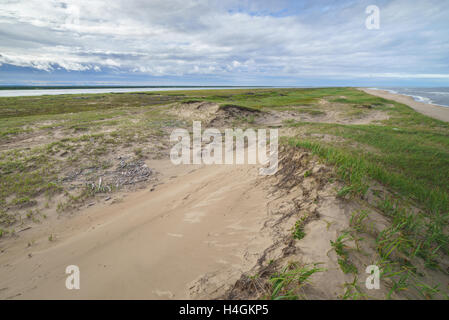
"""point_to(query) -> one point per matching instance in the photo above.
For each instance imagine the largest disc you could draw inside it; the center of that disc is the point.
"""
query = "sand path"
(434, 111)
(153, 245)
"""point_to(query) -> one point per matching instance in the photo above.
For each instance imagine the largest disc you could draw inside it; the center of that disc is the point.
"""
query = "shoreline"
(431, 110)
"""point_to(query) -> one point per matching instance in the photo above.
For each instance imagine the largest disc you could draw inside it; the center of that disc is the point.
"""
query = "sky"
(248, 43)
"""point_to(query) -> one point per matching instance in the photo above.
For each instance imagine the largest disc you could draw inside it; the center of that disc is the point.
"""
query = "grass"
(357, 221)
(286, 284)
(74, 126)
(298, 229)
(13, 107)
(299, 233)
(128, 118)
(413, 164)
(353, 291)
(410, 152)
(424, 185)
(408, 155)
(269, 98)
(341, 250)
(399, 245)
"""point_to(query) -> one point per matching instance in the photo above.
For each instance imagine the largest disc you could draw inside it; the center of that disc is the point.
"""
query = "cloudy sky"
(173, 42)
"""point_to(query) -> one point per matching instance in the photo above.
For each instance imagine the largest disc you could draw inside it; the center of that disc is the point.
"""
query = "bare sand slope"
(152, 245)
(204, 232)
(437, 112)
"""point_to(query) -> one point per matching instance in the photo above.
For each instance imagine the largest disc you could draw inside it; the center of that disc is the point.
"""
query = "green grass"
(30, 172)
(425, 186)
(411, 150)
(12, 107)
(298, 229)
(269, 98)
(408, 155)
(353, 291)
(341, 250)
(413, 164)
(286, 284)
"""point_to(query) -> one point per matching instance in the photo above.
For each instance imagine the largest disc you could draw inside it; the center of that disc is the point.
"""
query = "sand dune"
(212, 231)
(152, 244)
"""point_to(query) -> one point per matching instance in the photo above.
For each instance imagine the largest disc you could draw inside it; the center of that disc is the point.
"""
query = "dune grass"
(412, 160)
(408, 154)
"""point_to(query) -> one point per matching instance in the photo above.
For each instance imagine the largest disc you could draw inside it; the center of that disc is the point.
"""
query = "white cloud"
(162, 37)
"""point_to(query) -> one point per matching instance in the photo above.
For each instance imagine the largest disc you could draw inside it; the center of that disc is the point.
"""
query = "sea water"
(438, 96)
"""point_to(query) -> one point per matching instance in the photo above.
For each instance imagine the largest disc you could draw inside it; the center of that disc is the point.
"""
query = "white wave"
(421, 99)
(441, 93)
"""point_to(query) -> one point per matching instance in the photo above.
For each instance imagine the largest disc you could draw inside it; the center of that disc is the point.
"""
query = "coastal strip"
(431, 110)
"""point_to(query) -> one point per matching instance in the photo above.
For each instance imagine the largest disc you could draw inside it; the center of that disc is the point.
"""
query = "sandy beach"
(431, 110)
